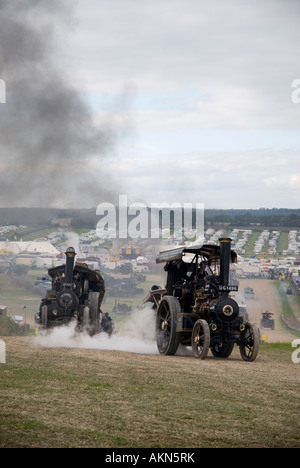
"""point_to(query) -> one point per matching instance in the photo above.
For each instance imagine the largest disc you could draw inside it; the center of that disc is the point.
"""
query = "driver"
(177, 271)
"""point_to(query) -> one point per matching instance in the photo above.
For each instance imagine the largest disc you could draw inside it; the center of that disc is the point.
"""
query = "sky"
(198, 100)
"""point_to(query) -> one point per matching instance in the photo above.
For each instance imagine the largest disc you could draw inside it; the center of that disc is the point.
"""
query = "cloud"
(287, 182)
(169, 43)
(202, 84)
(248, 179)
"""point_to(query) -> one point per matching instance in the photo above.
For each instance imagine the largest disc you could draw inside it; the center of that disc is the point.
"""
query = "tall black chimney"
(70, 257)
(225, 249)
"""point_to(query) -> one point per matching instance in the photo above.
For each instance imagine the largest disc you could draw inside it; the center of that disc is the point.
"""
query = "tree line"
(87, 218)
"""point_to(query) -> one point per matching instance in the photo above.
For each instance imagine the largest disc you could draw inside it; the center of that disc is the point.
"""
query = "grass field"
(77, 397)
(290, 303)
(62, 397)
(16, 293)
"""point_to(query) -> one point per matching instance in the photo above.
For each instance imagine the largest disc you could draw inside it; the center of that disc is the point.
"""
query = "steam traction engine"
(76, 293)
(200, 312)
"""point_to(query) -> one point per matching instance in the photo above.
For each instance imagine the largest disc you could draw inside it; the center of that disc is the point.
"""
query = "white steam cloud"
(136, 335)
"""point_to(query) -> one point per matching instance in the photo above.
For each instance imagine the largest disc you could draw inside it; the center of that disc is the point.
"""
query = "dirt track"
(266, 298)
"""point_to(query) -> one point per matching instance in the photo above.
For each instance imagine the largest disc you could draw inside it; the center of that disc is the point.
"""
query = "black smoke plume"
(48, 140)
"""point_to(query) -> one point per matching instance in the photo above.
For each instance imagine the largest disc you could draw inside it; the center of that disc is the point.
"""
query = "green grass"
(16, 294)
(251, 242)
(290, 304)
(93, 398)
(281, 287)
(286, 300)
(283, 241)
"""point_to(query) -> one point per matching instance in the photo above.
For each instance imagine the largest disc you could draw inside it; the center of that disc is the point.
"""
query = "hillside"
(62, 397)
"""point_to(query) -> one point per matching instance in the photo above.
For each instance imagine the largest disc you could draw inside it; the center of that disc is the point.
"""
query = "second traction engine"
(198, 310)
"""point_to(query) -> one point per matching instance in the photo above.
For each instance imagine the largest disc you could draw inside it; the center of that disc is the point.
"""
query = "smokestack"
(70, 257)
(225, 248)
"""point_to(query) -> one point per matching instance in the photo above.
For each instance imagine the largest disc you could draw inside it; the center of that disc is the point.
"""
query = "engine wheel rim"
(249, 343)
(164, 326)
(200, 339)
(166, 334)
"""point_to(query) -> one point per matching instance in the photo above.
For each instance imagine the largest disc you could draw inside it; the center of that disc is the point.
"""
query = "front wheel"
(249, 342)
(200, 339)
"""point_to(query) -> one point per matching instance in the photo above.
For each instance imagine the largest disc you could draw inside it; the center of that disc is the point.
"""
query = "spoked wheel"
(167, 338)
(249, 342)
(200, 339)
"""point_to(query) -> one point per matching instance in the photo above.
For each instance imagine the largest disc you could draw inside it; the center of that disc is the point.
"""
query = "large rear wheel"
(167, 338)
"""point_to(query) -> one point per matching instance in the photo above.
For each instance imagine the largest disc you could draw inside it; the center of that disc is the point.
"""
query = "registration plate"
(228, 288)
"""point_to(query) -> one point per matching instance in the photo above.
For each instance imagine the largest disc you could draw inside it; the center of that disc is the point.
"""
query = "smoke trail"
(48, 138)
(137, 335)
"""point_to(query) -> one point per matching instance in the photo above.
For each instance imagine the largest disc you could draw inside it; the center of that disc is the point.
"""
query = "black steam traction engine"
(76, 293)
(200, 312)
